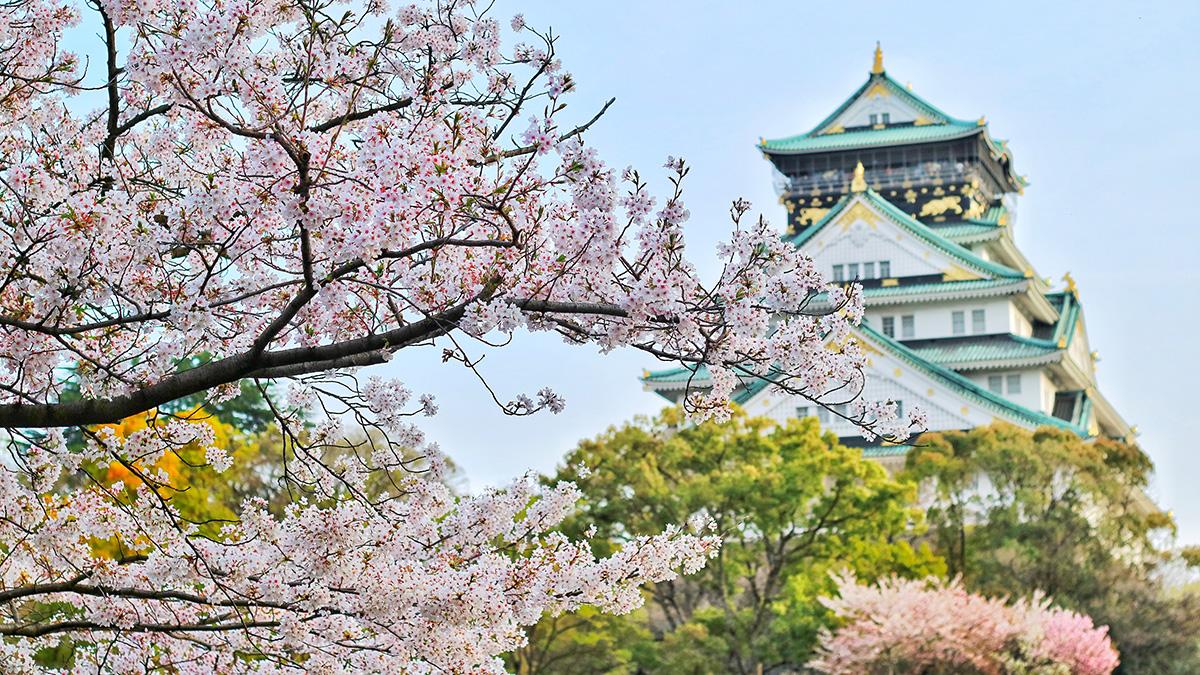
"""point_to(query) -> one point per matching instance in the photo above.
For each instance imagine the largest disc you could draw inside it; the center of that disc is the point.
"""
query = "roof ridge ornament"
(859, 182)
(877, 66)
(1071, 287)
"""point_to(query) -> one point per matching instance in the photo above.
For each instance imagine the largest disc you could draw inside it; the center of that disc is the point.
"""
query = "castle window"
(996, 384)
(822, 416)
(886, 118)
(839, 273)
(885, 269)
(958, 323)
(874, 119)
(908, 326)
(978, 321)
(1014, 383)
(869, 270)
(899, 408)
(801, 412)
(889, 326)
(852, 270)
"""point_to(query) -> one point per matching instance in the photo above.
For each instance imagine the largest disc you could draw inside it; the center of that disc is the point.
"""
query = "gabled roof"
(915, 227)
(676, 378)
(965, 386)
(867, 138)
(932, 123)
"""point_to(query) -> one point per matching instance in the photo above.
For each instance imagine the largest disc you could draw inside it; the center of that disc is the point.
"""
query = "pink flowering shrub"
(913, 626)
(1071, 639)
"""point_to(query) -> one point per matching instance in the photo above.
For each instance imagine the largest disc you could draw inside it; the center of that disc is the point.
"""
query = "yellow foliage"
(170, 462)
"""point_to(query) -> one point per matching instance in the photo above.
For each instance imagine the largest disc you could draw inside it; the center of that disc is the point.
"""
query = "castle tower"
(919, 207)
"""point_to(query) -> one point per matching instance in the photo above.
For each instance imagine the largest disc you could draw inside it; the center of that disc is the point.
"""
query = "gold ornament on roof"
(877, 67)
(1071, 287)
(859, 183)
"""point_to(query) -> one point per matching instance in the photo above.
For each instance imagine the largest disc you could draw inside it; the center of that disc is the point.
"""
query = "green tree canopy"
(791, 503)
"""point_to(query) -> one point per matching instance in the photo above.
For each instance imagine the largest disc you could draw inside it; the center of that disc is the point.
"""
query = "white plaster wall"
(1048, 392)
(935, 320)
(1080, 351)
(1037, 392)
(853, 238)
(859, 113)
(1020, 324)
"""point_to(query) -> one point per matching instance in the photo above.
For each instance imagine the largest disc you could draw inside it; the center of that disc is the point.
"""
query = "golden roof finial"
(1071, 287)
(859, 182)
(877, 67)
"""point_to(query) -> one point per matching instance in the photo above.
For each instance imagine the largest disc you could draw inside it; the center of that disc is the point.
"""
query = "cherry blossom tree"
(935, 626)
(277, 194)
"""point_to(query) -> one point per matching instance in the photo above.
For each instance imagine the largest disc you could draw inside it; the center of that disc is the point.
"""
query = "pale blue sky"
(1099, 100)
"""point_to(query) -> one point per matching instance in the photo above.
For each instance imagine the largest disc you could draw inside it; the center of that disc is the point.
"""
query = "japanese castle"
(920, 208)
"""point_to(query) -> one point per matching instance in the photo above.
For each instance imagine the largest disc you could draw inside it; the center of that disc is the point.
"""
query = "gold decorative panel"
(809, 216)
(941, 205)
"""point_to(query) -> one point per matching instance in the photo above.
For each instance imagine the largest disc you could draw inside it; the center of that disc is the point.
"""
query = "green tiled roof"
(943, 287)
(866, 138)
(977, 288)
(886, 450)
(974, 229)
(992, 216)
(914, 226)
(1068, 315)
(681, 376)
(967, 231)
(987, 349)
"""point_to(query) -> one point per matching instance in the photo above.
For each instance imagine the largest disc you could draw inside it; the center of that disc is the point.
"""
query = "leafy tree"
(586, 641)
(1015, 511)
(791, 504)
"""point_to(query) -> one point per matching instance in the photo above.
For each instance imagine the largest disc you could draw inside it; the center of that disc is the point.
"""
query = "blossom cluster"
(278, 195)
(903, 625)
(432, 583)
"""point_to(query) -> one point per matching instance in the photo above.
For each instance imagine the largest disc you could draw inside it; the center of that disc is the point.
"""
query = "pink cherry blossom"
(275, 196)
